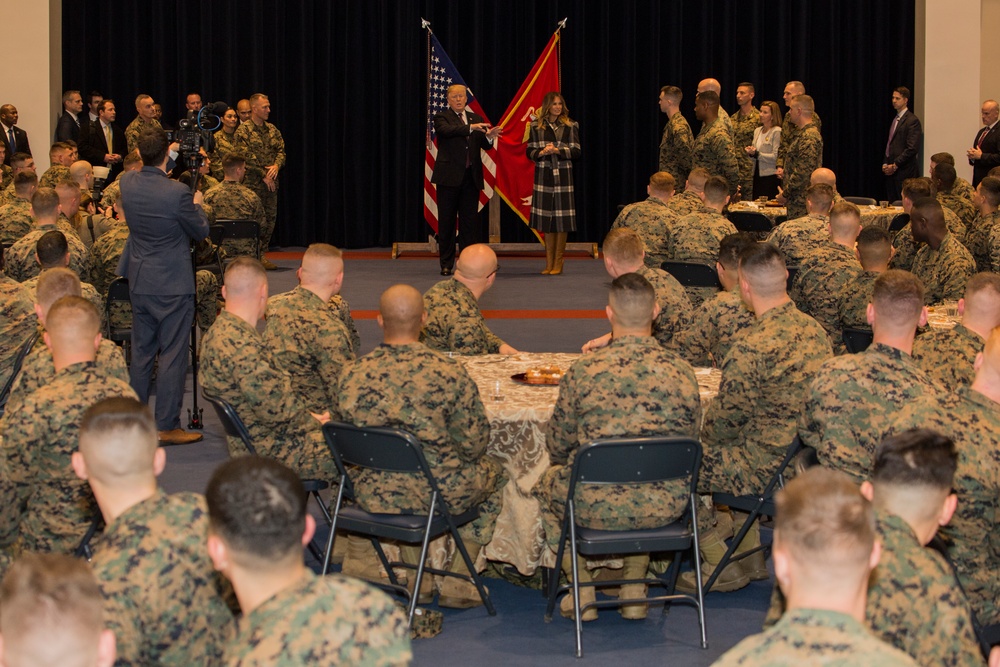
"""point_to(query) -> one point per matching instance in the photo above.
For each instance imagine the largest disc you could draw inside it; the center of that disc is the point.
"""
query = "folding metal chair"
(899, 221)
(754, 505)
(632, 461)
(861, 201)
(750, 221)
(18, 362)
(693, 274)
(395, 451)
(239, 230)
(857, 340)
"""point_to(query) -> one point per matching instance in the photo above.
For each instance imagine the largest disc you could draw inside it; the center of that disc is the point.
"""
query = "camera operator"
(163, 218)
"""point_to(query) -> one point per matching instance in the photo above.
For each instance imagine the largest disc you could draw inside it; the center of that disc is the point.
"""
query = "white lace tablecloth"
(880, 217)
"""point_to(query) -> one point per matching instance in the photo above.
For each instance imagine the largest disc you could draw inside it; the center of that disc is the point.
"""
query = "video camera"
(193, 133)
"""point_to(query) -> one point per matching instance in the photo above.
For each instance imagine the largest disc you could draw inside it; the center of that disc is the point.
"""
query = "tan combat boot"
(457, 593)
(411, 554)
(713, 549)
(635, 568)
(754, 565)
(361, 561)
(587, 593)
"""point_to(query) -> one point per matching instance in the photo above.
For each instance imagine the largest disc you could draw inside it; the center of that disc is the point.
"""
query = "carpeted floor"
(532, 313)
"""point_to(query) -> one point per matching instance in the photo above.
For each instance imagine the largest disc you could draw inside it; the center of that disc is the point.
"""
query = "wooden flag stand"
(498, 247)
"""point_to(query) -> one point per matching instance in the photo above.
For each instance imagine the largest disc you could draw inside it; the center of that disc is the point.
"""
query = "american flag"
(442, 73)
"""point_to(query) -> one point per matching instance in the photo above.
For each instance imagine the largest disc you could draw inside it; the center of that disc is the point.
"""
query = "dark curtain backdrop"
(347, 83)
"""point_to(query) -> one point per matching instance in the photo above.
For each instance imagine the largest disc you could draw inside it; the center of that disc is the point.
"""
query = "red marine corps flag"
(515, 180)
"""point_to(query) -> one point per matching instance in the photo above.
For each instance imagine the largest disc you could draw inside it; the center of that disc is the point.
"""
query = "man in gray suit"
(163, 219)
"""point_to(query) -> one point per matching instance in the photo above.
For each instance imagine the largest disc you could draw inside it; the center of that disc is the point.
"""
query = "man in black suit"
(905, 134)
(68, 127)
(985, 151)
(97, 150)
(458, 173)
(14, 138)
(162, 219)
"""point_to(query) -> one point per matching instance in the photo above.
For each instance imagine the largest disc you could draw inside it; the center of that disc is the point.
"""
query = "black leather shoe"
(446, 271)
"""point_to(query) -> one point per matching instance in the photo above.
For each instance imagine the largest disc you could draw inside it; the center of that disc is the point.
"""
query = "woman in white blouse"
(766, 139)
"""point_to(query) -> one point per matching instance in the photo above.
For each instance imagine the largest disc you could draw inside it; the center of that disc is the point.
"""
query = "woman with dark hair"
(553, 144)
(766, 140)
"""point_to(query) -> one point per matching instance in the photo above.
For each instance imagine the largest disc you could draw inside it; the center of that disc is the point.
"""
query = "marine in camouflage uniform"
(135, 128)
(411, 387)
(88, 292)
(685, 203)
(816, 288)
(15, 220)
(106, 253)
(799, 237)
(331, 620)
(20, 263)
(851, 402)
(233, 201)
(310, 342)
(163, 598)
(977, 239)
(853, 300)
(743, 128)
(7, 176)
(224, 145)
(960, 206)
(111, 193)
(995, 249)
(343, 310)
(675, 307)
(804, 156)
(906, 247)
(713, 151)
(454, 321)
(972, 421)
(753, 419)
(696, 238)
(632, 387)
(56, 506)
(945, 271)
(653, 221)
(914, 602)
(948, 356)
(789, 131)
(17, 323)
(262, 146)
(237, 366)
(714, 327)
(963, 188)
(814, 637)
(53, 175)
(677, 148)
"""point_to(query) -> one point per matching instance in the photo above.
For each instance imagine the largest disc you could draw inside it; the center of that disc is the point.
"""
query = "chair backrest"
(899, 221)
(857, 340)
(231, 421)
(750, 221)
(238, 229)
(693, 274)
(860, 201)
(117, 293)
(792, 270)
(897, 203)
(216, 233)
(18, 362)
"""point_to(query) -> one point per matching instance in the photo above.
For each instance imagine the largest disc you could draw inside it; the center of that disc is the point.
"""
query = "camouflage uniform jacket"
(653, 221)
(914, 602)
(106, 253)
(17, 323)
(675, 307)
(995, 249)
(977, 239)
(944, 271)
(262, 146)
(947, 356)
(822, 274)
(339, 304)
(53, 175)
(851, 404)
(713, 150)
(111, 193)
(906, 248)
(789, 130)
(632, 387)
(804, 156)
(743, 128)
(852, 303)
(696, 236)
(959, 205)
(56, 506)
(15, 220)
(677, 148)
(715, 325)
(237, 366)
(799, 237)
(20, 263)
(310, 342)
(234, 201)
(454, 321)
(163, 598)
(962, 188)
(753, 419)
(224, 145)
(6, 176)
(8, 195)
(135, 128)
(972, 421)
(331, 620)
(685, 203)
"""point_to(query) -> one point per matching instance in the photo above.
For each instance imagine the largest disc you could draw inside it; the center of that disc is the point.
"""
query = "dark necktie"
(13, 144)
(892, 131)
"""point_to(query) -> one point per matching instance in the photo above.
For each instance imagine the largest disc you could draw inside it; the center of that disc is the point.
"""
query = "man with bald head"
(239, 367)
(943, 264)
(713, 147)
(243, 110)
(14, 138)
(691, 199)
(985, 152)
(789, 130)
(404, 384)
(454, 321)
(827, 177)
(306, 336)
(56, 507)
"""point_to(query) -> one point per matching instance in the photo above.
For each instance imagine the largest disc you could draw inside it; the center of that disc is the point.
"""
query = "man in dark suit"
(905, 134)
(96, 149)
(985, 151)
(163, 219)
(68, 127)
(458, 173)
(14, 138)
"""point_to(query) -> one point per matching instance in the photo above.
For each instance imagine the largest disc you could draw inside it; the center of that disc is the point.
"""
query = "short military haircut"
(983, 287)
(945, 174)
(844, 218)
(632, 298)
(45, 202)
(821, 196)
(804, 102)
(709, 97)
(943, 158)
(673, 93)
(242, 275)
(233, 161)
(402, 309)
(257, 506)
(623, 245)
(917, 457)
(874, 247)
(51, 249)
(989, 189)
(931, 211)
(747, 84)
(716, 190)
(51, 612)
(24, 182)
(698, 177)
(994, 172)
(899, 297)
(662, 182)
(20, 159)
(824, 522)
(732, 246)
(72, 318)
(104, 104)
(256, 97)
(916, 188)
(152, 144)
(903, 91)
(140, 97)
(118, 439)
(131, 159)
(69, 186)
(58, 147)
(763, 266)
(797, 87)
(54, 284)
